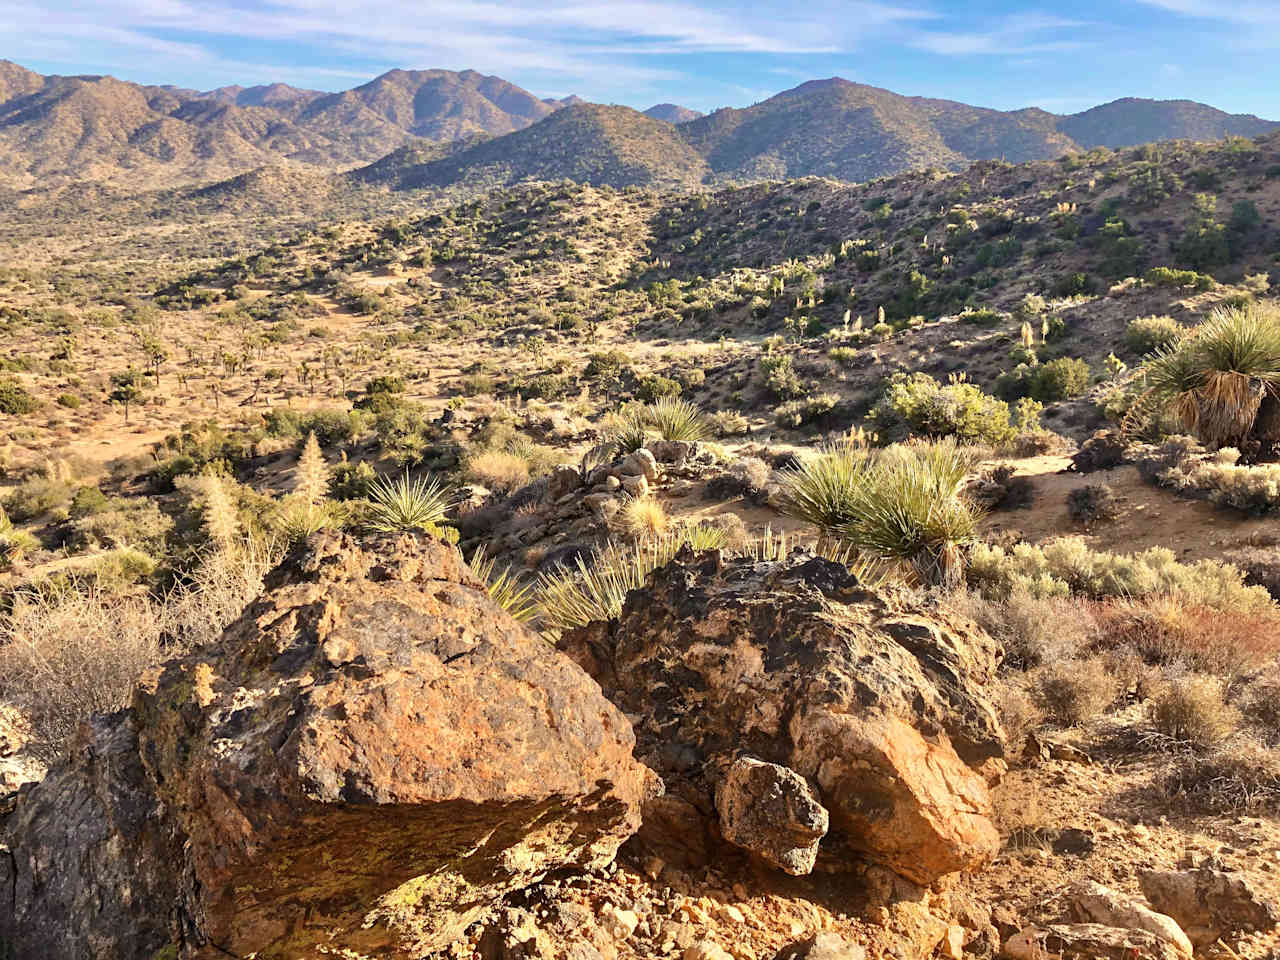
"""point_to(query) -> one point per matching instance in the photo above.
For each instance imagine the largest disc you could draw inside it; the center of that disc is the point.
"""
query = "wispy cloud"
(1017, 35)
(1224, 11)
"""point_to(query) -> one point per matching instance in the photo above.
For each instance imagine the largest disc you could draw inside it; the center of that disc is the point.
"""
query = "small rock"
(619, 924)
(823, 946)
(706, 950)
(771, 811)
(640, 463)
(1210, 903)
(563, 481)
(1088, 941)
(635, 486)
(1095, 903)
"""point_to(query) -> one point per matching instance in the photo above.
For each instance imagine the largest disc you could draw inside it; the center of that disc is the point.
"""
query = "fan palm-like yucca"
(1222, 381)
(903, 504)
(913, 509)
(512, 593)
(406, 504)
(676, 419)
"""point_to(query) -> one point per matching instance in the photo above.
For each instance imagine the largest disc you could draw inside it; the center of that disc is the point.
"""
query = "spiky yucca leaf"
(595, 589)
(407, 504)
(911, 508)
(512, 593)
(823, 490)
(676, 419)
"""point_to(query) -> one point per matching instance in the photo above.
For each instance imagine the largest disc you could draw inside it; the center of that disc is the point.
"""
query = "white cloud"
(1017, 35)
(597, 47)
(1223, 11)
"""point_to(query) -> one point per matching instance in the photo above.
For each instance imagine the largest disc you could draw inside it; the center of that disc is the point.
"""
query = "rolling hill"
(672, 113)
(56, 129)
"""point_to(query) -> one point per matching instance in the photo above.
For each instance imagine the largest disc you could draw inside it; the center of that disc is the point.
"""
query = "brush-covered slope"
(1124, 123)
(56, 129)
(588, 143)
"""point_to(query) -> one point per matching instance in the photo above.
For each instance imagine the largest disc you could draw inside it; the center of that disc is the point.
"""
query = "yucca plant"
(512, 593)
(912, 508)
(676, 419)
(1223, 380)
(595, 589)
(300, 518)
(407, 504)
(823, 490)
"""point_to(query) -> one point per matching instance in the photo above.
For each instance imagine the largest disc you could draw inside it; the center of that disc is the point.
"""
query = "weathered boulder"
(772, 812)
(1091, 902)
(369, 758)
(1088, 941)
(1209, 904)
(875, 701)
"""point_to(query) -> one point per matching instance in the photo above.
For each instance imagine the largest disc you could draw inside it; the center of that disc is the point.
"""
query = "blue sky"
(997, 53)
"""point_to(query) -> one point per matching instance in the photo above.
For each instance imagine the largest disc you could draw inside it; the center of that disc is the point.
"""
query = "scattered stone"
(619, 924)
(672, 451)
(636, 487)
(771, 811)
(823, 946)
(563, 481)
(1209, 903)
(706, 950)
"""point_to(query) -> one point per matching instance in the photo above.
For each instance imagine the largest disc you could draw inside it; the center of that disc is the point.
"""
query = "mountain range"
(413, 128)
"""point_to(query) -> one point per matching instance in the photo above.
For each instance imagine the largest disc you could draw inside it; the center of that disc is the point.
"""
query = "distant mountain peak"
(672, 113)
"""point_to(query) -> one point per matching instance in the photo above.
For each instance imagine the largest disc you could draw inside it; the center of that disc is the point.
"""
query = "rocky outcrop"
(1089, 941)
(1209, 904)
(875, 703)
(18, 763)
(370, 757)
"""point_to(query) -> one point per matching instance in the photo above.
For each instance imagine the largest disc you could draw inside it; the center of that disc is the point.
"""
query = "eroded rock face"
(1211, 903)
(875, 703)
(372, 755)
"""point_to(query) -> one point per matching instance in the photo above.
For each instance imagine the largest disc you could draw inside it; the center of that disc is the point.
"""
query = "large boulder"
(875, 701)
(372, 755)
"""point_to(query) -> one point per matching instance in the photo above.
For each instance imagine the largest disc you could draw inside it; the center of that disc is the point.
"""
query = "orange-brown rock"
(369, 758)
(876, 701)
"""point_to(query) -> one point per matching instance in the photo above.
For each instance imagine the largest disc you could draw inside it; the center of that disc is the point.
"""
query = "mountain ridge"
(60, 129)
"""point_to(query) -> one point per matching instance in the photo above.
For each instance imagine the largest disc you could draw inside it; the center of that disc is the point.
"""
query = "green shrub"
(1059, 379)
(69, 400)
(87, 501)
(917, 404)
(35, 498)
(797, 413)
(1148, 334)
(1169, 277)
(656, 387)
(1067, 566)
(780, 377)
(15, 400)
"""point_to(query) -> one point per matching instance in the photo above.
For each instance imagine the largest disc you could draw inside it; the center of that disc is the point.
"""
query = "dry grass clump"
(1092, 503)
(65, 656)
(642, 518)
(1169, 632)
(1240, 776)
(498, 470)
(1260, 704)
(1191, 709)
(1076, 691)
(1020, 713)
(1032, 631)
